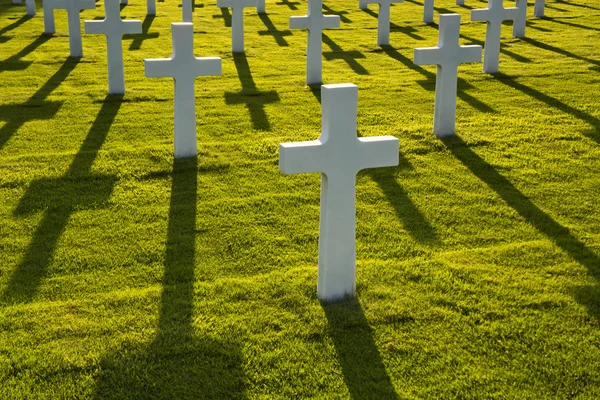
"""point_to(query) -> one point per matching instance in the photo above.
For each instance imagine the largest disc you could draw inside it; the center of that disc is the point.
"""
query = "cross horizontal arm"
(158, 67)
(380, 151)
(300, 157)
(331, 21)
(480, 14)
(299, 22)
(208, 66)
(95, 27)
(428, 55)
(470, 53)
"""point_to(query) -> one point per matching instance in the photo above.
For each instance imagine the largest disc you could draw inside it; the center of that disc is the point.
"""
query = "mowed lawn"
(125, 274)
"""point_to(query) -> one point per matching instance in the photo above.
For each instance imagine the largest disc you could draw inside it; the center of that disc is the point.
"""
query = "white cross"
(338, 155)
(383, 20)
(460, 2)
(362, 4)
(315, 22)
(184, 68)
(237, 21)
(73, 8)
(494, 15)
(187, 8)
(520, 19)
(30, 7)
(260, 7)
(114, 28)
(538, 8)
(448, 55)
(428, 11)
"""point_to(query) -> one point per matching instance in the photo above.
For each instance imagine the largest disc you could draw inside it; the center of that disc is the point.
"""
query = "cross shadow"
(291, 4)
(14, 25)
(226, 15)
(194, 5)
(407, 30)
(348, 56)
(138, 38)
(541, 221)
(574, 25)
(533, 25)
(177, 364)
(560, 51)
(253, 98)
(439, 10)
(429, 82)
(78, 189)
(341, 14)
(552, 7)
(363, 369)
(576, 5)
(14, 62)
(503, 50)
(550, 101)
(272, 30)
(16, 115)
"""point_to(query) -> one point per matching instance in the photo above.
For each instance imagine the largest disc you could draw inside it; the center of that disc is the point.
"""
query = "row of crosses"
(338, 155)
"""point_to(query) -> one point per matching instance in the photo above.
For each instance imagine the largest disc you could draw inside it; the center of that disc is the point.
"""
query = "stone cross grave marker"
(260, 7)
(448, 55)
(237, 21)
(183, 67)
(493, 15)
(73, 8)
(428, 11)
(338, 155)
(383, 20)
(187, 10)
(315, 22)
(538, 8)
(520, 19)
(114, 28)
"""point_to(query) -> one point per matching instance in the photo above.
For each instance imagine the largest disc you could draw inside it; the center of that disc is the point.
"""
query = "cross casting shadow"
(429, 82)
(534, 25)
(503, 50)
(16, 115)
(348, 56)
(14, 62)
(177, 364)
(272, 30)
(58, 198)
(226, 15)
(574, 25)
(544, 223)
(552, 7)
(340, 14)
(363, 369)
(138, 38)
(593, 134)
(253, 98)
(569, 3)
(560, 51)
(291, 4)
(407, 30)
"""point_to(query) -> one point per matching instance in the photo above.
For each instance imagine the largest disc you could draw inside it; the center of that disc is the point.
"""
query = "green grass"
(124, 274)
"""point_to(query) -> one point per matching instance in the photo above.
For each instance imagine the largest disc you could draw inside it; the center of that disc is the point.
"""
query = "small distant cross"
(114, 28)
(237, 21)
(315, 22)
(183, 67)
(538, 8)
(520, 19)
(73, 8)
(428, 11)
(494, 15)
(187, 10)
(338, 155)
(448, 55)
(383, 20)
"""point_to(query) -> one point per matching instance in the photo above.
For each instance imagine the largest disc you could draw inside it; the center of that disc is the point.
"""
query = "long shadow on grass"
(78, 189)
(226, 15)
(544, 223)
(291, 4)
(36, 107)
(253, 98)
(12, 26)
(407, 30)
(593, 134)
(139, 38)
(14, 62)
(429, 82)
(576, 5)
(272, 30)
(560, 51)
(572, 24)
(363, 369)
(337, 53)
(341, 14)
(177, 364)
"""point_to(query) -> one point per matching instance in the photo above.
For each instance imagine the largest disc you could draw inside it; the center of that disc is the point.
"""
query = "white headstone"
(315, 22)
(184, 68)
(428, 11)
(30, 7)
(260, 7)
(538, 8)
(338, 155)
(187, 9)
(73, 8)
(460, 2)
(114, 28)
(150, 7)
(448, 55)
(494, 15)
(520, 20)
(237, 21)
(383, 20)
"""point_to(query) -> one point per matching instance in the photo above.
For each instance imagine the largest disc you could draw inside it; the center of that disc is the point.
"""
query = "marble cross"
(114, 28)
(260, 7)
(338, 155)
(30, 7)
(183, 67)
(187, 9)
(362, 4)
(237, 21)
(448, 55)
(428, 11)
(73, 8)
(460, 2)
(493, 15)
(383, 20)
(538, 8)
(315, 22)
(520, 19)
(150, 7)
